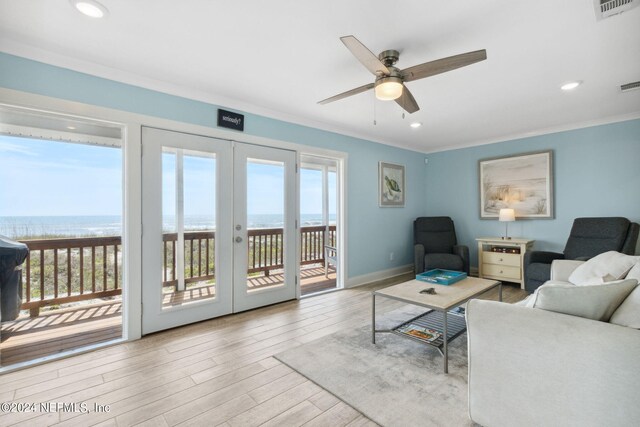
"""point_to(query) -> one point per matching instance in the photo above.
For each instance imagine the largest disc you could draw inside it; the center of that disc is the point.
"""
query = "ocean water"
(20, 227)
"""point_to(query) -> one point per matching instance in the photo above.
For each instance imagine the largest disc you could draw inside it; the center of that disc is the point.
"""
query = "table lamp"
(506, 216)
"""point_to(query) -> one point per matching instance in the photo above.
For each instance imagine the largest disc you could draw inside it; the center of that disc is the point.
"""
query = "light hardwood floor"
(217, 372)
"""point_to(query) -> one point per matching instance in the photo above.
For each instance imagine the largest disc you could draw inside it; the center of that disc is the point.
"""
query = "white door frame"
(341, 206)
(132, 237)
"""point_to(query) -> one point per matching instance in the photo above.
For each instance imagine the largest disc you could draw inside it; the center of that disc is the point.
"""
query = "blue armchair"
(588, 238)
(435, 245)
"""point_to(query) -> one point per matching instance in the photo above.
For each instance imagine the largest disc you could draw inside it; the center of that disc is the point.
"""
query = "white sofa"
(532, 367)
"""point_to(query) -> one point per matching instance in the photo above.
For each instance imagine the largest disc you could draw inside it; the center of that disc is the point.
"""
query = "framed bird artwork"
(391, 185)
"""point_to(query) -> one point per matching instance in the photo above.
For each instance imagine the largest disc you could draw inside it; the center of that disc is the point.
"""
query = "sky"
(47, 178)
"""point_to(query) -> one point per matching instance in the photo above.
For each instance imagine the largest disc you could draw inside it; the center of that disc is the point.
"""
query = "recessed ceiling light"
(90, 8)
(71, 127)
(415, 125)
(570, 85)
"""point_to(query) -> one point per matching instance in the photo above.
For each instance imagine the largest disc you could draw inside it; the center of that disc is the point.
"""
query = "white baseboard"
(364, 279)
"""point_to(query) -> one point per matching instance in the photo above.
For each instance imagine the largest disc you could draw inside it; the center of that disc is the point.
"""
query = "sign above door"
(231, 120)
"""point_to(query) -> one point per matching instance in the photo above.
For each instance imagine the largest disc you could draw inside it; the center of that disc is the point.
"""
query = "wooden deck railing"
(266, 251)
(312, 243)
(199, 257)
(59, 271)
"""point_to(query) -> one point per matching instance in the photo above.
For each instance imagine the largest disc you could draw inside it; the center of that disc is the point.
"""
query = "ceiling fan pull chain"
(375, 123)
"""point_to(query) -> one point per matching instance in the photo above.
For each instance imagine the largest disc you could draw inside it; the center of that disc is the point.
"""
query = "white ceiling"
(279, 57)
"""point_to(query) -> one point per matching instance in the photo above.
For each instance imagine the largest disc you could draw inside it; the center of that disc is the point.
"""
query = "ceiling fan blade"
(443, 65)
(348, 93)
(364, 55)
(407, 101)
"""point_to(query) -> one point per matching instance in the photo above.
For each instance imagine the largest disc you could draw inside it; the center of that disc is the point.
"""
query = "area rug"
(396, 382)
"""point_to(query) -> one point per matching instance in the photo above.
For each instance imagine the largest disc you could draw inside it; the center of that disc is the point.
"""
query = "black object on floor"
(12, 255)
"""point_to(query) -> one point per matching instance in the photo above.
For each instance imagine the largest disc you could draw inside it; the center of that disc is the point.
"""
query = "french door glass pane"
(189, 223)
(333, 198)
(310, 197)
(265, 222)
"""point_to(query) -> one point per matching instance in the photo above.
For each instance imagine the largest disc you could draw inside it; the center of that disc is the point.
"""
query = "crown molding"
(13, 47)
(545, 131)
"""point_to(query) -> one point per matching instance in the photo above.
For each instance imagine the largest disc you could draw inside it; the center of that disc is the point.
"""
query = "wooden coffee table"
(449, 325)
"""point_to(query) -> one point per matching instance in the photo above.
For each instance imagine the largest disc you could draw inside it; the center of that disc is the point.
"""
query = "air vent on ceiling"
(607, 8)
(630, 86)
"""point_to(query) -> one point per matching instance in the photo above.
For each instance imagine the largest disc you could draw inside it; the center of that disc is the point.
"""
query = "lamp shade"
(507, 215)
(388, 88)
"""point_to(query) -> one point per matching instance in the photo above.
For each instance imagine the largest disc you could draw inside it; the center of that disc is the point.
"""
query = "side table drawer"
(504, 271)
(501, 258)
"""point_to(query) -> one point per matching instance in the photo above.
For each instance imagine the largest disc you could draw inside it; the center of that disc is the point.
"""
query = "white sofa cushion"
(605, 267)
(591, 302)
(628, 313)
(530, 300)
(557, 370)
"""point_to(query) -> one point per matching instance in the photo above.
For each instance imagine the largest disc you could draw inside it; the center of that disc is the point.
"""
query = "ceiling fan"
(389, 83)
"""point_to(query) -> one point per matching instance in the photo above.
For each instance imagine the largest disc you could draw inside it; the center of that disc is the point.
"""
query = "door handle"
(238, 239)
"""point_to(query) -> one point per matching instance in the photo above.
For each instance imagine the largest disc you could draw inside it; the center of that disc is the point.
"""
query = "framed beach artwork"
(523, 182)
(391, 185)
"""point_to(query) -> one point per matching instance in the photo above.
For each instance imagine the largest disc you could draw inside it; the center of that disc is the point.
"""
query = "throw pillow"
(628, 314)
(634, 273)
(592, 302)
(530, 300)
(527, 302)
(610, 263)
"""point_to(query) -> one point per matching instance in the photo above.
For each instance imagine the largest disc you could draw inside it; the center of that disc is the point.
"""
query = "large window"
(61, 195)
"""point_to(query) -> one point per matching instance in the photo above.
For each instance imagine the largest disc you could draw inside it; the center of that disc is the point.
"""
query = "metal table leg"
(373, 318)
(445, 344)
(500, 292)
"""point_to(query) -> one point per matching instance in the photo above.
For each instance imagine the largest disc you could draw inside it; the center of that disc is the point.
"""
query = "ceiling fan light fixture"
(388, 88)
(416, 125)
(90, 8)
(571, 85)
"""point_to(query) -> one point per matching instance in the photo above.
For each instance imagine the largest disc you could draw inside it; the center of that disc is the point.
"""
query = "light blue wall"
(596, 169)
(373, 232)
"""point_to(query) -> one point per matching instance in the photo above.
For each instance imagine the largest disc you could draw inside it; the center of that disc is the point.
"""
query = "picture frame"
(523, 182)
(391, 185)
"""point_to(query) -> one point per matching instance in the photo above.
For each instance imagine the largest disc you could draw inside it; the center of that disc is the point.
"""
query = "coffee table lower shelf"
(434, 320)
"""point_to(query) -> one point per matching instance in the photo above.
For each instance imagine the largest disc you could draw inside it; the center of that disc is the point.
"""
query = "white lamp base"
(506, 232)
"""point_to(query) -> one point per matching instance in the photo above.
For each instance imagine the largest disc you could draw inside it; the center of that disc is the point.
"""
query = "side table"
(502, 259)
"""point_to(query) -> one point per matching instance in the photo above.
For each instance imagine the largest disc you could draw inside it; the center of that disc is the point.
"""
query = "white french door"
(186, 208)
(207, 206)
(264, 226)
